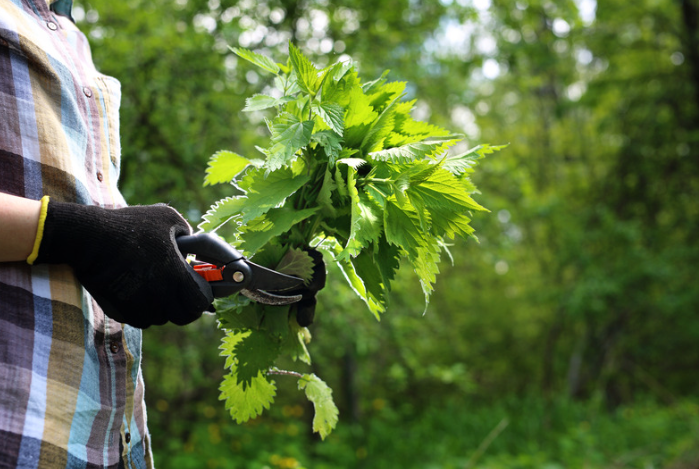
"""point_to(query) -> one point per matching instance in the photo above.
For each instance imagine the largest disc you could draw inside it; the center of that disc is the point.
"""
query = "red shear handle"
(209, 272)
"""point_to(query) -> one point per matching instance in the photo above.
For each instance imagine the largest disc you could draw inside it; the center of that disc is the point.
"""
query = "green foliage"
(224, 166)
(246, 402)
(351, 171)
(320, 395)
(377, 193)
(451, 434)
(245, 390)
(296, 262)
(260, 60)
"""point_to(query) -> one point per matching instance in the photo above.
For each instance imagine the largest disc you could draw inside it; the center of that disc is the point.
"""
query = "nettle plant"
(349, 172)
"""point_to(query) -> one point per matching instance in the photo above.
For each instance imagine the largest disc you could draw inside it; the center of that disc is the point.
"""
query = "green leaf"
(448, 223)
(269, 192)
(387, 259)
(367, 269)
(324, 199)
(306, 72)
(366, 218)
(443, 190)
(387, 95)
(464, 162)
(338, 70)
(402, 228)
(331, 143)
(359, 117)
(352, 162)
(275, 321)
(353, 245)
(340, 182)
(418, 173)
(442, 201)
(260, 102)
(377, 194)
(369, 219)
(355, 281)
(228, 344)
(289, 135)
(261, 61)
(235, 313)
(426, 267)
(414, 151)
(255, 354)
(326, 413)
(269, 255)
(295, 343)
(287, 86)
(221, 212)
(247, 402)
(224, 166)
(371, 87)
(379, 129)
(298, 263)
(275, 222)
(423, 214)
(415, 130)
(341, 79)
(332, 114)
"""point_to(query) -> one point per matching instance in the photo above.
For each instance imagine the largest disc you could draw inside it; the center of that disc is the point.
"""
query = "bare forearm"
(19, 218)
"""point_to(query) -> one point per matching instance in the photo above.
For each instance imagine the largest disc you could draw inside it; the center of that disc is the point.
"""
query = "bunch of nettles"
(347, 171)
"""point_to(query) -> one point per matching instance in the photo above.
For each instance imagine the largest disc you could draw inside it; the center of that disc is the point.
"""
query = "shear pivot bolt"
(238, 276)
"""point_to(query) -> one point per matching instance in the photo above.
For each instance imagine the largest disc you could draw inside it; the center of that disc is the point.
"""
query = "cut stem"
(277, 371)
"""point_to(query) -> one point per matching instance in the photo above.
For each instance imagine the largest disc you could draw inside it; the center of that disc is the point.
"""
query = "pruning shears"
(229, 272)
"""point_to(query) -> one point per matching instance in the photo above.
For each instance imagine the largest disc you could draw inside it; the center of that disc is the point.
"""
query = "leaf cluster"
(349, 171)
(347, 164)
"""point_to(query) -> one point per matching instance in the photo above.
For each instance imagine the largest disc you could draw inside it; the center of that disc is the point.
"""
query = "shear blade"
(266, 298)
(271, 280)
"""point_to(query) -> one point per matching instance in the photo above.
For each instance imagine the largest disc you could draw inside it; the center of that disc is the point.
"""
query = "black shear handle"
(208, 248)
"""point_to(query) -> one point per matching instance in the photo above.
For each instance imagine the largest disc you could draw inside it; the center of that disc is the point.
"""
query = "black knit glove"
(127, 259)
(306, 307)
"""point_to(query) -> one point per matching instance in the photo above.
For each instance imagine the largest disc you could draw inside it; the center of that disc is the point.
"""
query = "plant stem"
(371, 179)
(488, 440)
(308, 235)
(276, 371)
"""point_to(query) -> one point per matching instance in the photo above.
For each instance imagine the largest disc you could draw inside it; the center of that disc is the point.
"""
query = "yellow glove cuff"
(40, 230)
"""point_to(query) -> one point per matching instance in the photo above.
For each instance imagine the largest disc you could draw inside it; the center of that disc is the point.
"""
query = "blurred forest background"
(567, 338)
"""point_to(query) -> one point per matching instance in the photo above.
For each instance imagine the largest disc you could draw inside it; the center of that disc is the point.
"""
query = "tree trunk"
(349, 385)
(690, 19)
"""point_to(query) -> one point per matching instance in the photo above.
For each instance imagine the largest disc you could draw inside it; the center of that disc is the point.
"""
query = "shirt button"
(51, 25)
(114, 346)
(87, 91)
(127, 438)
(100, 176)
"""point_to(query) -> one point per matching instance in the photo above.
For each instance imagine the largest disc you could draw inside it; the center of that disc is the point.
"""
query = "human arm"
(19, 218)
(126, 258)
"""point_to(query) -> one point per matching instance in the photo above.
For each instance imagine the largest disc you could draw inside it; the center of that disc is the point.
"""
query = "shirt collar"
(61, 7)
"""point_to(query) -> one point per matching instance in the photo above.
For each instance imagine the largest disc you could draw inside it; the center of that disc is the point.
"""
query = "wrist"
(39, 230)
(18, 223)
(65, 232)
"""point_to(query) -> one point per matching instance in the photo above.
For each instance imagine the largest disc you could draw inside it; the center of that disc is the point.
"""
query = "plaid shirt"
(71, 390)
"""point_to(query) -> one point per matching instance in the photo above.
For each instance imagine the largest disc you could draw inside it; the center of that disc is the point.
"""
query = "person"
(71, 388)
(81, 273)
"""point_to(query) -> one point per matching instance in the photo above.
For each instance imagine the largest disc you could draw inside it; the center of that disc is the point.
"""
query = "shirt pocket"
(110, 101)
